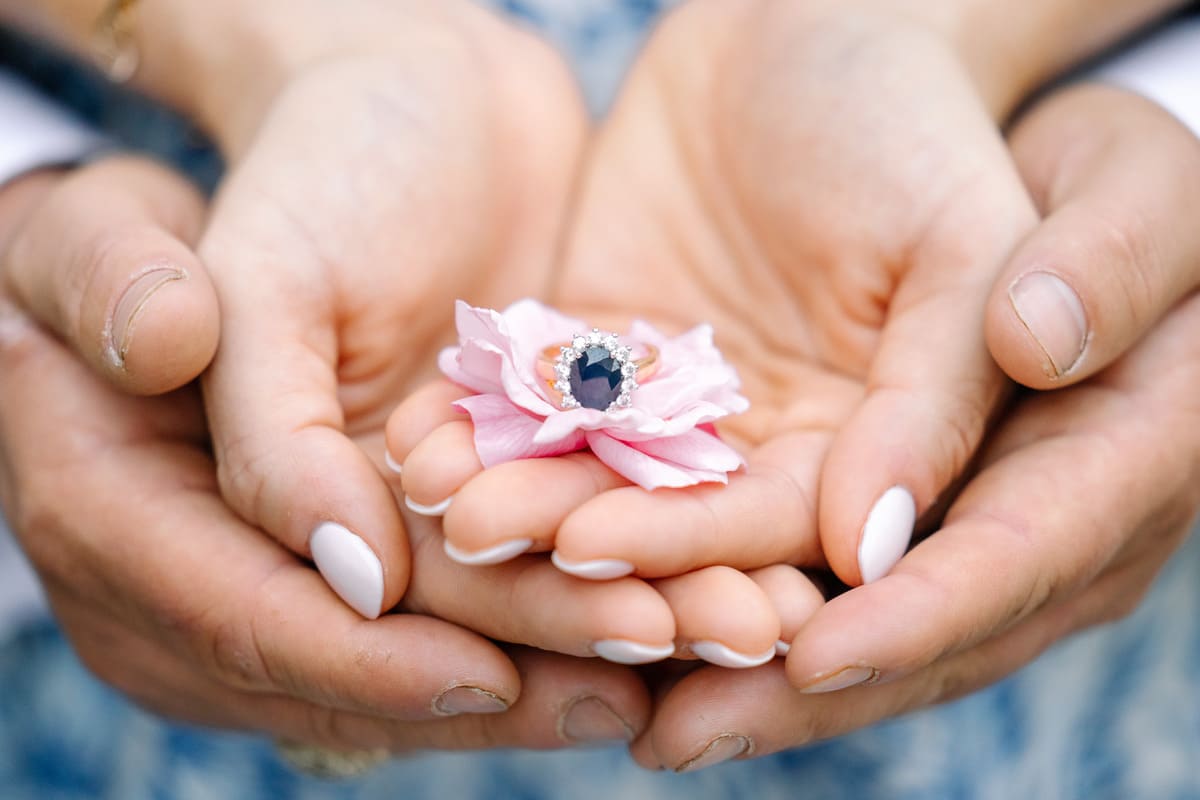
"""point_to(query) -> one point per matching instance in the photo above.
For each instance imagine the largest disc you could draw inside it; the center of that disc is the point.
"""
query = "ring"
(322, 762)
(595, 371)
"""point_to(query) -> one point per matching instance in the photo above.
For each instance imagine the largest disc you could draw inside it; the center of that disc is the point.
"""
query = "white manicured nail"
(782, 648)
(722, 656)
(886, 534)
(349, 566)
(435, 510)
(600, 569)
(623, 651)
(392, 464)
(505, 551)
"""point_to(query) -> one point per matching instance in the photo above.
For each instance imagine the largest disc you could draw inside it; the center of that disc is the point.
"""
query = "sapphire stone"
(596, 378)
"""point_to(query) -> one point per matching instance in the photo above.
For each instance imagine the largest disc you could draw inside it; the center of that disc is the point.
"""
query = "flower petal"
(503, 432)
(645, 470)
(696, 449)
(532, 327)
(476, 368)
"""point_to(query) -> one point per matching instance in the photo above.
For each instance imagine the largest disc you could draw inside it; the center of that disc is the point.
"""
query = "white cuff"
(1164, 68)
(36, 133)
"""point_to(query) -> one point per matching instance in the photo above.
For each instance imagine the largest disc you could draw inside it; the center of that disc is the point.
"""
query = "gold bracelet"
(113, 41)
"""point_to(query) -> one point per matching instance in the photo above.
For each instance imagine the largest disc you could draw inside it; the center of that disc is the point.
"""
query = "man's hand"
(1080, 497)
(170, 597)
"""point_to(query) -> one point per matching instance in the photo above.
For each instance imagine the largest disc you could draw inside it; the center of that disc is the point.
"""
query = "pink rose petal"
(505, 433)
(646, 470)
(695, 449)
(473, 367)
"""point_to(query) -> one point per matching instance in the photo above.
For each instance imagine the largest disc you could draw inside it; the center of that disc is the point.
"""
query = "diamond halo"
(570, 356)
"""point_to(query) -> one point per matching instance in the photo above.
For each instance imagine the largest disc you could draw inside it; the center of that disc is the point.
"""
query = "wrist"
(223, 62)
(219, 62)
(1010, 49)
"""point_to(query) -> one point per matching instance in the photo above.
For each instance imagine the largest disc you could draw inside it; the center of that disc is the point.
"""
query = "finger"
(932, 385)
(794, 597)
(752, 713)
(764, 515)
(518, 506)
(570, 702)
(284, 461)
(105, 262)
(721, 616)
(528, 601)
(417, 416)
(244, 611)
(1118, 179)
(1031, 529)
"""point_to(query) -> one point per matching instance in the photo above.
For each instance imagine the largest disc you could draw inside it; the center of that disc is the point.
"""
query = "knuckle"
(242, 475)
(234, 649)
(233, 657)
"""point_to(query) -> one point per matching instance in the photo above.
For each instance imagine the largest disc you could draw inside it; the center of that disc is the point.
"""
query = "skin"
(1082, 494)
(248, 645)
(597, 218)
(727, 185)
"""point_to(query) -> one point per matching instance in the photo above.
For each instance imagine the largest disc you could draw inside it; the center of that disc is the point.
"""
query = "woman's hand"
(766, 172)
(1080, 497)
(391, 158)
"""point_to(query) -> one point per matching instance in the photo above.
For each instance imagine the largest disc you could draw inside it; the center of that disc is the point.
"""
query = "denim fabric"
(1108, 714)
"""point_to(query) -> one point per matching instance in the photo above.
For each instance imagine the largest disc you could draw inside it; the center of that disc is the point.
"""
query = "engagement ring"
(595, 371)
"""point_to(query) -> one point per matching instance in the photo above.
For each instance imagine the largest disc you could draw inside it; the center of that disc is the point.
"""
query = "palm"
(735, 184)
(729, 190)
(843, 259)
(430, 180)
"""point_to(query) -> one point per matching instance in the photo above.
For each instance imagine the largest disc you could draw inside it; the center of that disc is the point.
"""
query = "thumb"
(102, 262)
(1117, 179)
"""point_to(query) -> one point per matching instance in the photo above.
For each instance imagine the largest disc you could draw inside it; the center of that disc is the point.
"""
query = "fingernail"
(468, 700)
(840, 679)
(886, 534)
(125, 313)
(782, 648)
(435, 510)
(600, 569)
(396, 467)
(722, 748)
(722, 656)
(590, 719)
(349, 566)
(505, 551)
(1053, 314)
(623, 651)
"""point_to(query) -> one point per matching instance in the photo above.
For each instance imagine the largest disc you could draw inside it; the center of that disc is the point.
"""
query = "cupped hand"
(424, 152)
(256, 630)
(766, 170)
(1081, 495)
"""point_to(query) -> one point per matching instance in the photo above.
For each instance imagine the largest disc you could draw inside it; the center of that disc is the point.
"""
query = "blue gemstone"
(596, 378)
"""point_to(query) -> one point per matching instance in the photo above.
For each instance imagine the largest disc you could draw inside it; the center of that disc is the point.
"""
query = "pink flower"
(663, 438)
